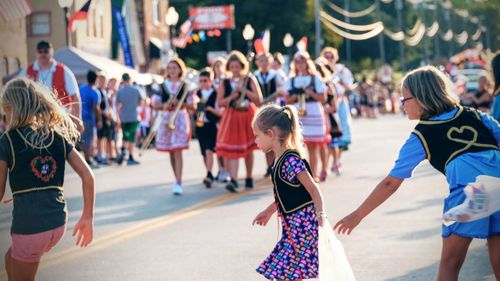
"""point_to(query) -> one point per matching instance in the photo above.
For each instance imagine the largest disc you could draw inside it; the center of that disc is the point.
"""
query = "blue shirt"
(460, 170)
(90, 98)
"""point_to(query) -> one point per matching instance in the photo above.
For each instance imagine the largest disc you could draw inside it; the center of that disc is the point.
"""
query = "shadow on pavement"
(470, 270)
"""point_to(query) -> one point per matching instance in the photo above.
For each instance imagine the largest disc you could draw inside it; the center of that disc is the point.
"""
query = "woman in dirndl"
(240, 94)
(174, 139)
(305, 84)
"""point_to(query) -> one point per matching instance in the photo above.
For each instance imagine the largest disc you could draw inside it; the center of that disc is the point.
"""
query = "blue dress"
(459, 172)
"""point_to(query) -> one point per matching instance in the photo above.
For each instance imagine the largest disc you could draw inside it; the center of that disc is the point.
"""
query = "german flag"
(80, 15)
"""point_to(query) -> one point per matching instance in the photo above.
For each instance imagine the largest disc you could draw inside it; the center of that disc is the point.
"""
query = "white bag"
(482, 200)
(333, 263)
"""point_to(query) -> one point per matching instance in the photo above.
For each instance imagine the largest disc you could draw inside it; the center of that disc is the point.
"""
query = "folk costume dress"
(314, 123)
(462, 144)
(295, 256)
(169, 140)
(235, 138)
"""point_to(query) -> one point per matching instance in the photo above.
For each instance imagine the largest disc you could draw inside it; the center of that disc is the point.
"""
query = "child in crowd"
(39, 140)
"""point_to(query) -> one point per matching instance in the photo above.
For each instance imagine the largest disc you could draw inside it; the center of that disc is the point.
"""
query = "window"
(39, 24)
(156, 12)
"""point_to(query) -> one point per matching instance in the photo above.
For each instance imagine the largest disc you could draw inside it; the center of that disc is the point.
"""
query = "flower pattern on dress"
(291, 167)
(284, 263)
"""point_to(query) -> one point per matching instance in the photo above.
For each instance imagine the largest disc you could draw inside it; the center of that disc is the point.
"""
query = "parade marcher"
(145, 120)
(33, 153)
(174, 132)
(240, 94)
(331, 99)
(482, 98)
(207, 116)
(297, 197)
(128, 98)
(343, 80)
(272, 88)
(104, 134)
(57, 77)
(495, 67)
(308, 92)
(461, 143)
(219, 71)
(277, 66)
(91, 116)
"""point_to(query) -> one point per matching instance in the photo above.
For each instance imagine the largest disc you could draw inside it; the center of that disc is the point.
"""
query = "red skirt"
(235, 138)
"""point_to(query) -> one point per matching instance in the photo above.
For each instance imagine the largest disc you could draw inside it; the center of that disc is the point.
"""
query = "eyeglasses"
(43, 51)
(404, 100)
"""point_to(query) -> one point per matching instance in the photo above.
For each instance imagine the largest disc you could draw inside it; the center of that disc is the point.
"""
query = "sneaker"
(177, 189)
(232, 186)
(248, 183)
(207, 182)
(93, 165)
(119, 159)
(322, 176)
(224, 176)
(131, 162)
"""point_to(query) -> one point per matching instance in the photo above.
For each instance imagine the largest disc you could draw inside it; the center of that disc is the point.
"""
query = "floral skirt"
(174, 140)
(284, 263)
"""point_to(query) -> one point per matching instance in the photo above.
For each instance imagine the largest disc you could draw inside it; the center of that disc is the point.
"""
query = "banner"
(213, 17)
(123, 36)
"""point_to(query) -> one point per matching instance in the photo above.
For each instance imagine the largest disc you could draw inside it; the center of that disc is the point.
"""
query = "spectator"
(91, 116)
(128, 99)
(105, 133)
(55, 76)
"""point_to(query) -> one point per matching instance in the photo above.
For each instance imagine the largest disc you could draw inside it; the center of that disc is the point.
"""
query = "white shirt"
(305, 81)
(45, 77)
(342, 73)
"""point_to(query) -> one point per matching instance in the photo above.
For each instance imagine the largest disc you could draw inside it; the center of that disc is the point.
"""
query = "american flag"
(180, 42)
(14, 9)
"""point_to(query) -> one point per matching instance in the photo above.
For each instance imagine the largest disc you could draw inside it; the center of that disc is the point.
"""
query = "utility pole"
(399, 8)
(381, 45)
(318, 27)
(347, 41)
(437, 51)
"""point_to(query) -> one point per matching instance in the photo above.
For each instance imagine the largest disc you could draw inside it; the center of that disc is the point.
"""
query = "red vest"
(58, 82)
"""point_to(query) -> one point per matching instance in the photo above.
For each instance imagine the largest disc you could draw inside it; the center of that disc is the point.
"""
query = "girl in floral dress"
(298, 200)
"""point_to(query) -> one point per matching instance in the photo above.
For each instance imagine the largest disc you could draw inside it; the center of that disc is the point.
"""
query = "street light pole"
(317, 27)
(171, 18)
(381, 45)
(248, 34)
(347, 41)
(65, 4)
(288, 42)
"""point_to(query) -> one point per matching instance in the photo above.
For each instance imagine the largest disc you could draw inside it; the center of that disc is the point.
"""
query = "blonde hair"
(222, 61)
(311, 68)
(36, 107)
(180, 63)
(432, 89)
(239, 57)
(286, 120)
(332, 50)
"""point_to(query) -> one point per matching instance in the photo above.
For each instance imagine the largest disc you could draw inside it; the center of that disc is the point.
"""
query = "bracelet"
(322, 214)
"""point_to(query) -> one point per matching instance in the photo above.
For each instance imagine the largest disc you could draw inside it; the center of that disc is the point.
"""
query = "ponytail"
(296, 139)
(286, 120)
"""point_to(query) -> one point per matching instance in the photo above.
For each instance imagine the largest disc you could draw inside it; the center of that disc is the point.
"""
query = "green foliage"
(297, 18)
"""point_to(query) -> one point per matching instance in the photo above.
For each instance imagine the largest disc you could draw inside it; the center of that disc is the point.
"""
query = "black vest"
(228, 89)
(36, 168)
(210, 102)
(267, 87)
(290, 197)
(445, 140)
(300, 91)
(165, 93)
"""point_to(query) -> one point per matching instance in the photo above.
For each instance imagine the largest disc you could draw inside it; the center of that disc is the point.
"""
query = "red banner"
(213, 17)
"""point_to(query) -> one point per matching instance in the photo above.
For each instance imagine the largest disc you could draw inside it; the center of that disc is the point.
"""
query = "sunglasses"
(403, 101)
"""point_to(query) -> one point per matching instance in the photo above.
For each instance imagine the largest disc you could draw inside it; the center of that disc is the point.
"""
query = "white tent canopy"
(80, 62)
